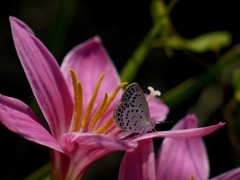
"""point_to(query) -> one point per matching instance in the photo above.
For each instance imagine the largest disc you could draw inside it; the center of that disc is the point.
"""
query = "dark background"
(121, 26)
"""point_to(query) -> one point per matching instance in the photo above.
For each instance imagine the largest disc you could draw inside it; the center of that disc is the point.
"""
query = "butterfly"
(132, 113)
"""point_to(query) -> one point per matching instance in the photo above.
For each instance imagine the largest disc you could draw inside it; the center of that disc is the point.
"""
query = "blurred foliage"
(236, 83)
(130, 69)
(170, 40)
(181, 92)
(212, 41)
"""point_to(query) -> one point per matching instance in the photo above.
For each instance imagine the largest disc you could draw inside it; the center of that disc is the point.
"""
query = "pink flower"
(176, 159)
(77, 101)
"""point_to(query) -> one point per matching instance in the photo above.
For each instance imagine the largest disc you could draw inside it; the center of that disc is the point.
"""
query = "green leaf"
(212, 41)
(42, 173)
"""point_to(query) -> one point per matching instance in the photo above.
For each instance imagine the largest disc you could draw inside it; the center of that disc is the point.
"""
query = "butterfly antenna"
(164, 122)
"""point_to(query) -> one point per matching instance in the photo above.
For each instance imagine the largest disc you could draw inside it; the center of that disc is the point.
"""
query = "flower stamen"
(91, 103)
(113, 95)
(114, 131)
(80, 120)
(98, 114)
(105, 126)
(77, 87)
(109, 100)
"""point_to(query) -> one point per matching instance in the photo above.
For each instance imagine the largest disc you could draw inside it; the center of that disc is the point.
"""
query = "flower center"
(82, 121)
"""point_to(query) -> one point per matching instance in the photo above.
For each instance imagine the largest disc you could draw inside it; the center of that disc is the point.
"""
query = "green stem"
(130, 69)
(42, 173)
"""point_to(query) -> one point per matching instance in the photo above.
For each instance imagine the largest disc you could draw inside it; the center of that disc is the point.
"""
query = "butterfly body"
(132, 113)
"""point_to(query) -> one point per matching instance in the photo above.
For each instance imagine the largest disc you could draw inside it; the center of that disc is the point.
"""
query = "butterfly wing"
(134, 94)
(132, 113)
(130, 118)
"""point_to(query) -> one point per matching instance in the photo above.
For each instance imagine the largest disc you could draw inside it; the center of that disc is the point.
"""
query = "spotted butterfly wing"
(134, 94)
(132, 113)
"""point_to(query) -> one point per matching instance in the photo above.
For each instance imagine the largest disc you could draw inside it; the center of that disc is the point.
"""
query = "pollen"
(83, 121)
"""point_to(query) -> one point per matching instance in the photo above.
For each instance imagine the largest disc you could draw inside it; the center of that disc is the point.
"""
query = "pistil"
(152, 94)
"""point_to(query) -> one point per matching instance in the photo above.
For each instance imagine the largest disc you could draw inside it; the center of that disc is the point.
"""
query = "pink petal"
(19, 118)
(139, 164)
(85, 148)
(181, 159)
(182, 134)
(158, 110)
(234, 174)
(90, 60)
(45, 78)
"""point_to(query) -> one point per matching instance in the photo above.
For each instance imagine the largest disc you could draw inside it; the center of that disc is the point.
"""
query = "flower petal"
(158, 110)
(139, 164)
(233, 174)
(45, 78)
(85, 148)
(183, 159)
(19, 118)
(182, 134)
(90, 60)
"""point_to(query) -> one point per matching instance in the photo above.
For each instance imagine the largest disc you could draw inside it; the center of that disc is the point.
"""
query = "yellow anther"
(91, 102)
(98, 113)
(80, 120)
(77, 87)
(110, 99)
(192, 177)
(105, 126)
(75, 82)
(78, 110)
(112, 96)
